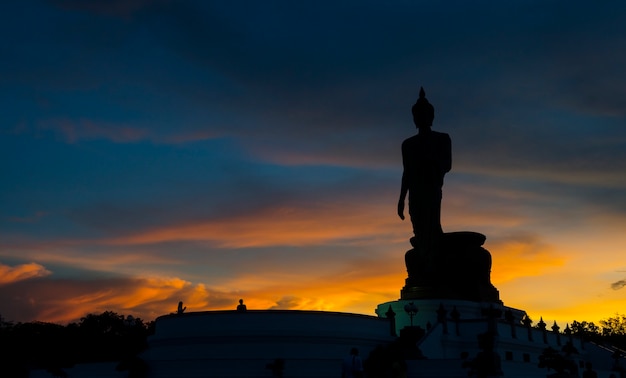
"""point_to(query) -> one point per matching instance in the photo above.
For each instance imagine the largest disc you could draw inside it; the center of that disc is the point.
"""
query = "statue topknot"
(423, 111)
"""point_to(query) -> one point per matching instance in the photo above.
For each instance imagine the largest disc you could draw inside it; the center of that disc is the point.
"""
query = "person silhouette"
(426, 158)
(241, 306)
(352, 366)
(181, 309)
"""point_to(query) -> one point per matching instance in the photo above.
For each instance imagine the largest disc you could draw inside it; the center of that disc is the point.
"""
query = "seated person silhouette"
(241, 306)
(426, 158)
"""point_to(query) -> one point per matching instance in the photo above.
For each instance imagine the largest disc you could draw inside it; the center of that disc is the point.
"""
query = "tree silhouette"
(107, 337)
(614, 330)
(614, 326)
(584, 328)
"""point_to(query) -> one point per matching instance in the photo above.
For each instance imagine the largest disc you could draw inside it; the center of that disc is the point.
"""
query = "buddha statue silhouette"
(440, 265)
(426, 158)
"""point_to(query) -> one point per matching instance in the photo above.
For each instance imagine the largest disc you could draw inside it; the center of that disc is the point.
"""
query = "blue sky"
(206, 151)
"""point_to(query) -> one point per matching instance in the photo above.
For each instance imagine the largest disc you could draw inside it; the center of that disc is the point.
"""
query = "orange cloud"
(282, 226)
(525, 267)
(63, 300)
(356, 286)
(21, 272)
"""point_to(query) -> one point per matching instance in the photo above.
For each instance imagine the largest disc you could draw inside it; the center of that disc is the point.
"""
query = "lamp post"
(411, 309)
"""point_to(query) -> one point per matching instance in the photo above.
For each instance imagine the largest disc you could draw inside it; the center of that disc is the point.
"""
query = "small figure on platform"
(426, 158)
(241, 306)
(181, 309)
(352, 366)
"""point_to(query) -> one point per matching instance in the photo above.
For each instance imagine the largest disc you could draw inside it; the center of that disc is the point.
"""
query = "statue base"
(458, 268)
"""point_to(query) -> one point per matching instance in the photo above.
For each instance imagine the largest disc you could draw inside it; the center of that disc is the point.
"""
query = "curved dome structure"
(249, 343)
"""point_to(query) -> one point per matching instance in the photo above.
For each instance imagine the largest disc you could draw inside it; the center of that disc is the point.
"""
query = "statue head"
(423, 111)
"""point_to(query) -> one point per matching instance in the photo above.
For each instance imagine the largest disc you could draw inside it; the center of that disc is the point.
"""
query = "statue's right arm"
(403, 191)
(404, 187)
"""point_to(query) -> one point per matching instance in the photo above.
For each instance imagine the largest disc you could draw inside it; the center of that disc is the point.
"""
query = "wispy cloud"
(618, 284)
(11, 274)
(29, 218)
(73, 131)
(275, 226)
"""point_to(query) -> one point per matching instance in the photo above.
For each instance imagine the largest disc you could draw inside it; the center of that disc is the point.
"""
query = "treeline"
(107, 337)
(610, 331)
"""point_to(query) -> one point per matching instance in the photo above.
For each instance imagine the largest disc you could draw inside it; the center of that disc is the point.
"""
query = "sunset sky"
(206, 151)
